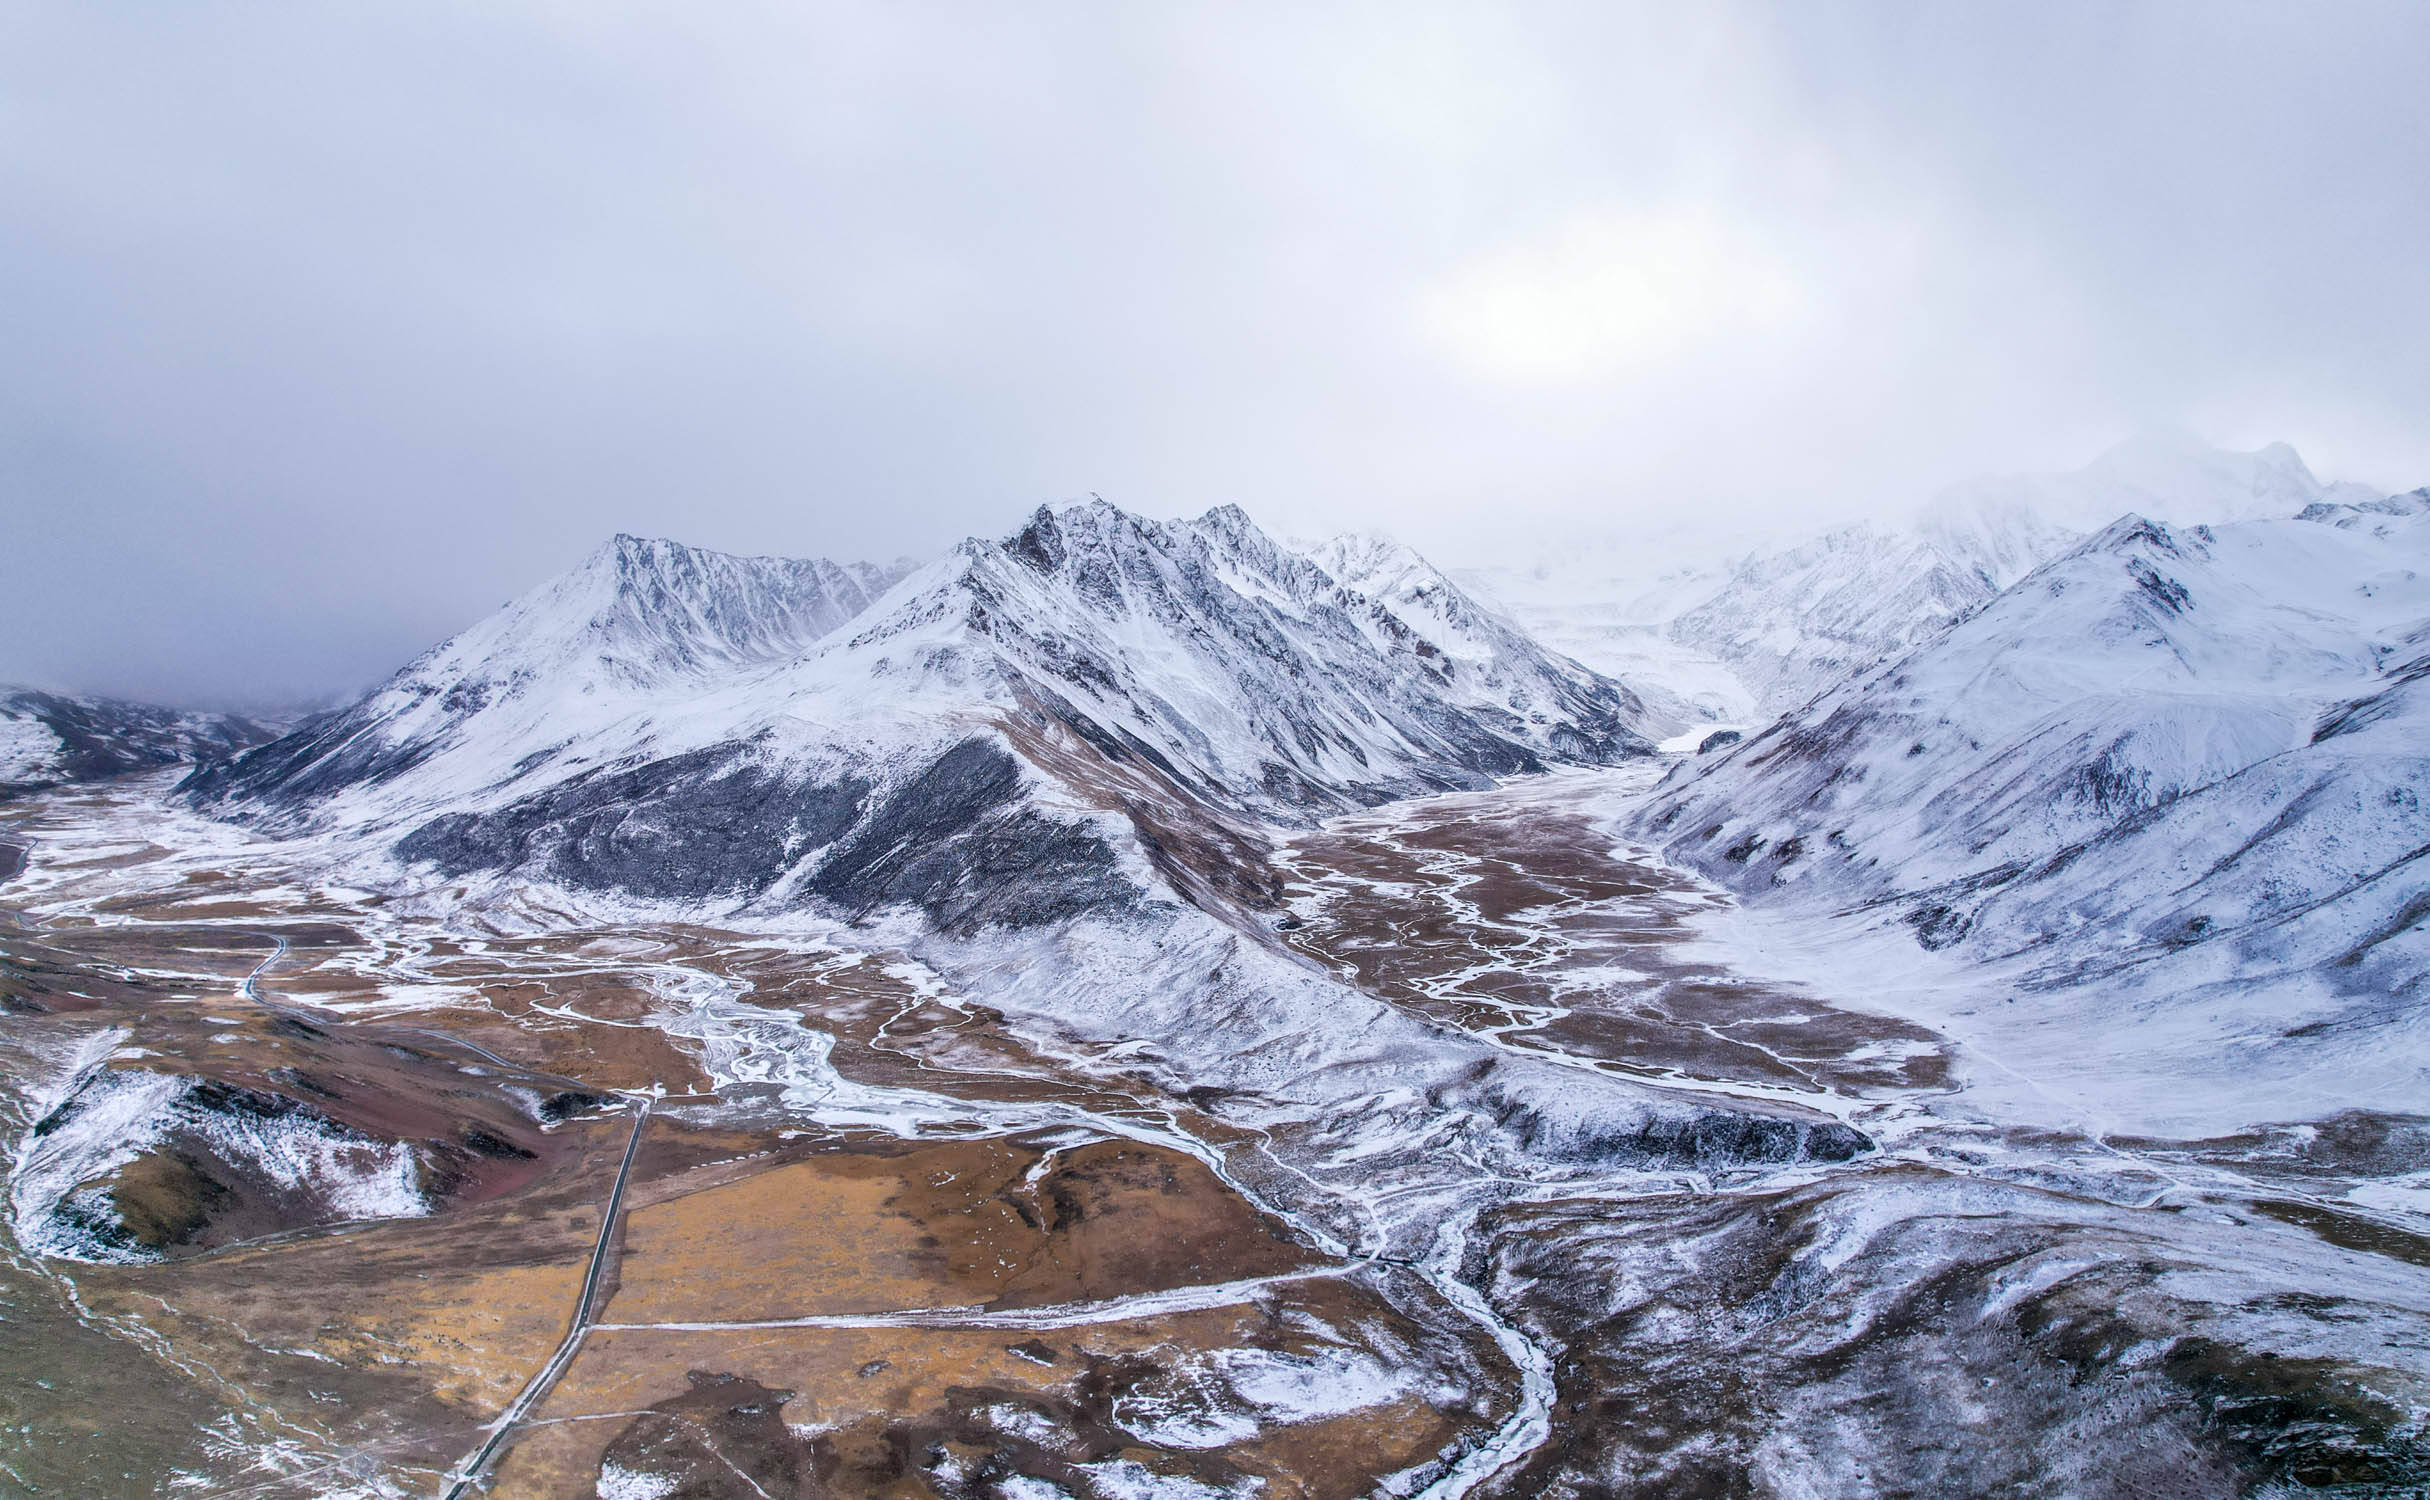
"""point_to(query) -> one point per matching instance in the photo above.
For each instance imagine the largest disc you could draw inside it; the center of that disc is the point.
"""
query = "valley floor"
(313, 1191)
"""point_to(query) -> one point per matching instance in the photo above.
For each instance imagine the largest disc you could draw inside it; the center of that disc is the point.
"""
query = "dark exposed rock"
(1711, 1139)
(1267, 689)
(957, 843)
(567, 1103)
(711, 823)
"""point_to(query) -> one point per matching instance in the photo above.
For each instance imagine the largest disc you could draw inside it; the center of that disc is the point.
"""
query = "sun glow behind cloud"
(1608, 294)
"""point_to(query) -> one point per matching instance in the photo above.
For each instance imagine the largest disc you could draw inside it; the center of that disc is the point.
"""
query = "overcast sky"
(323, 329)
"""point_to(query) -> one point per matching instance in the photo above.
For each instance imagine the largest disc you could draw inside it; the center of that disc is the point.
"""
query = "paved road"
(468, 1473)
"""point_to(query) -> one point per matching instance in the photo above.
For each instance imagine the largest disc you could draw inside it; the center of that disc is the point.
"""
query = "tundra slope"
(2177, 773)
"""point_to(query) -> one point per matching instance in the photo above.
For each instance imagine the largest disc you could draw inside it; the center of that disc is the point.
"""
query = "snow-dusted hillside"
(1793, 621)
(1494, 652)
(1744, 639)
(636, 620)
(982, 742)
(2173, 755)
(49, 739)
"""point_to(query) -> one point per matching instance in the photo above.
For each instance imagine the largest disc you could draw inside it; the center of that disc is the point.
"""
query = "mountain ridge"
(1752, 634)
(62, 739)
(614, 730)
(2166, 743)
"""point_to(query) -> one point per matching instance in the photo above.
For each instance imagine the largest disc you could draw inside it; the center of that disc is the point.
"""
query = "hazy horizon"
(332, 330)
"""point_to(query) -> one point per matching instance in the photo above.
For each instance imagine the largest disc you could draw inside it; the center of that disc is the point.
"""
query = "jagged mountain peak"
(1232, 653)
(641, 610)
(1375, 562)
(1414, 591)
(1091, 656)
(2128, 531)
(638, 623)
(1119, 560)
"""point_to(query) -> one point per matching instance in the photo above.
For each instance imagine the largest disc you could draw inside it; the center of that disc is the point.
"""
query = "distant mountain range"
(56, 739)
(2085, 748)
(1741, 640)
(2011, 1026)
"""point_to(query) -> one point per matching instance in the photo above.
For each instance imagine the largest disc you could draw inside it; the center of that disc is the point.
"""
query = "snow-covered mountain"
(1016, 733)
(636, 620)
(2177, 755)
(1792, 621)
(1746, 638)
(1491, 647)
(2006, 527)
(51, 739)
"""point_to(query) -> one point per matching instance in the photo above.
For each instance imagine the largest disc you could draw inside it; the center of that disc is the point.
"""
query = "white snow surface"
(1718, 636)
(2170, 787)
(29, 748)
(1220, 1397)
(104, 1117)
(1246, 673)
(616, 1482)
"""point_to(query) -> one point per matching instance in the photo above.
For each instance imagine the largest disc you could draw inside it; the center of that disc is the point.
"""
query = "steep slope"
(1048, 767)
(2192, 755)
(1751, 637)
(1610, 605)
(636, 621)
(990, 743)
(49, 739)
(1797, 620)
(1498, 663)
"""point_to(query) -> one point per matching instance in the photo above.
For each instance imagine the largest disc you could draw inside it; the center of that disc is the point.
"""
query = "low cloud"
(329, 328)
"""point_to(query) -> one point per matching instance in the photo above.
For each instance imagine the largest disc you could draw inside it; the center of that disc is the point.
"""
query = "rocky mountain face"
(50, 739)
(2180, 755)
(1497, 658)
(1050, 767)
(980, 741)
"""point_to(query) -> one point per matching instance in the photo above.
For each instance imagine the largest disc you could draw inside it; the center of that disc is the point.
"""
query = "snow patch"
(617, 1482)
